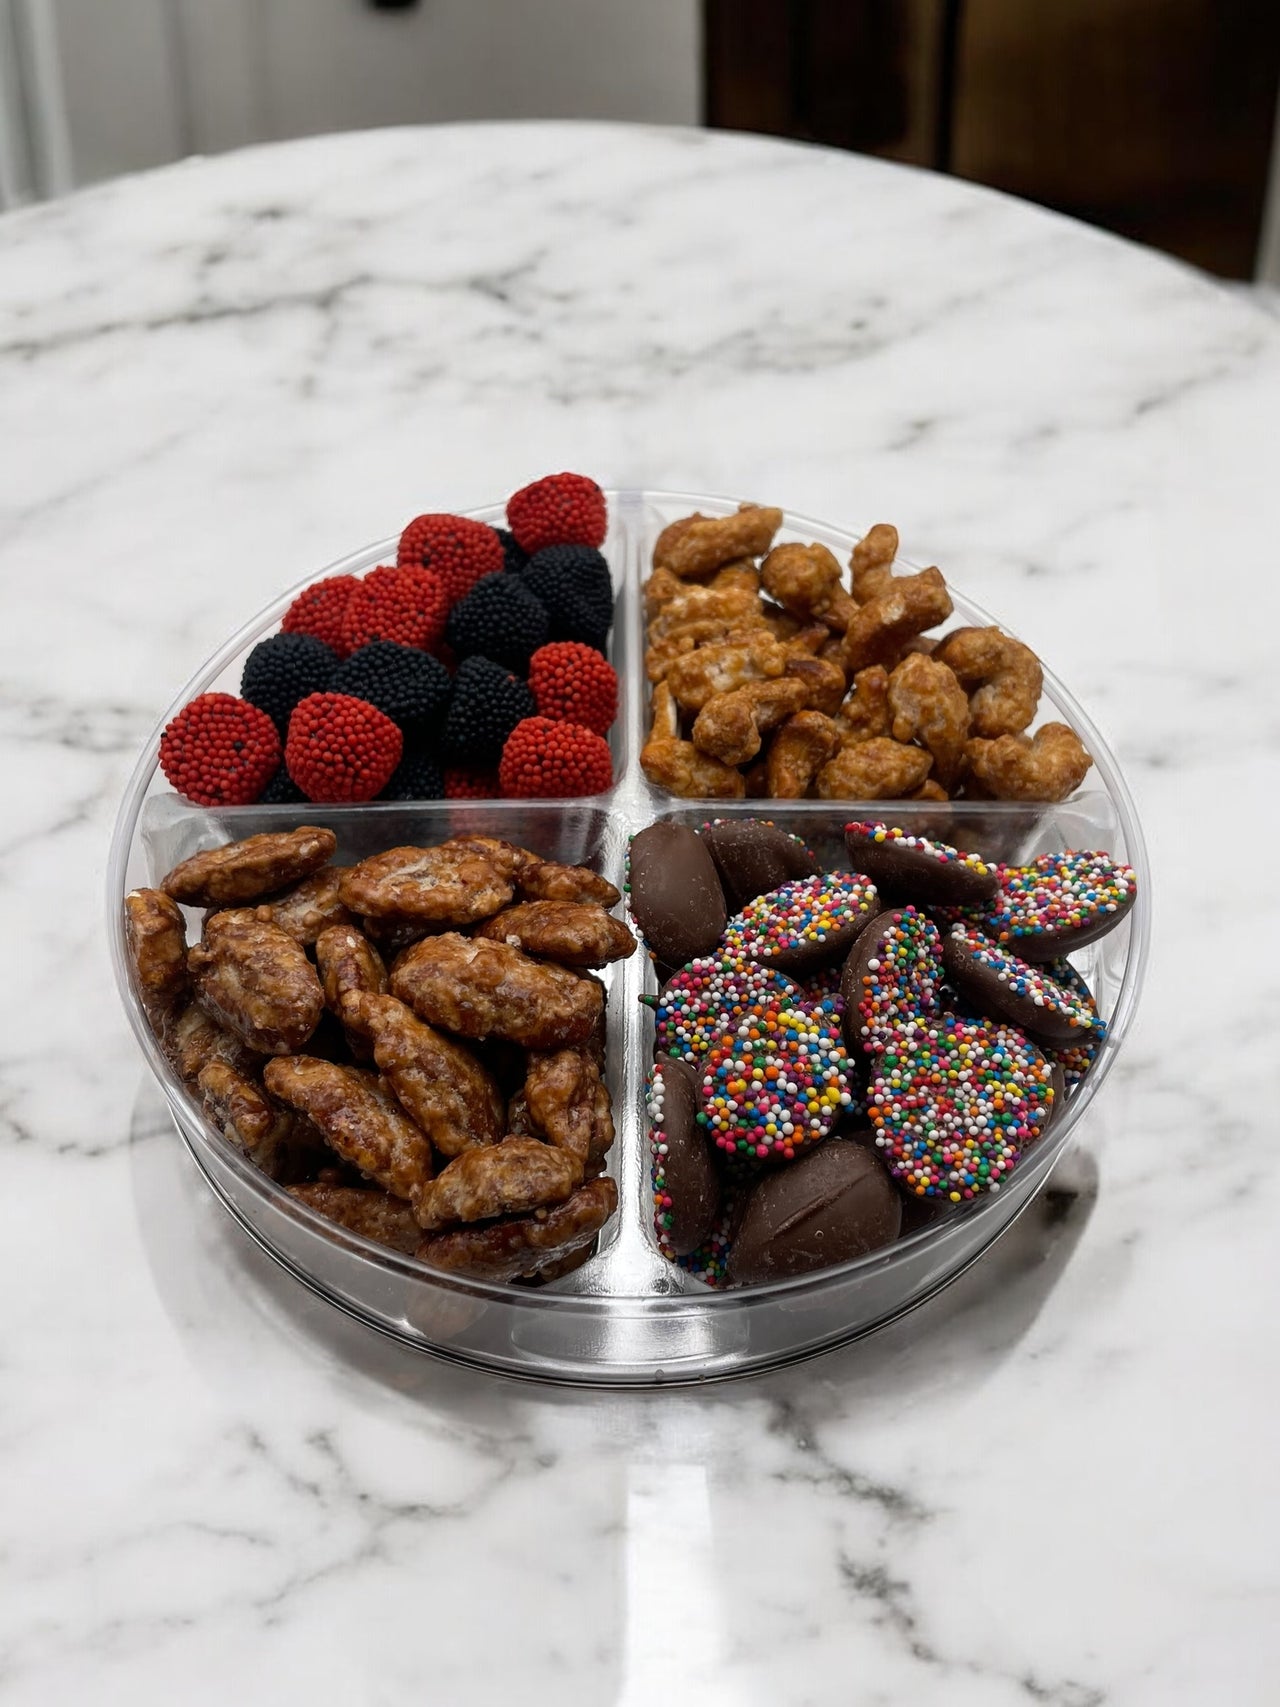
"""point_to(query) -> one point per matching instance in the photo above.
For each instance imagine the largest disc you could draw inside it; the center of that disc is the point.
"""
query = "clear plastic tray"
(627, 1317)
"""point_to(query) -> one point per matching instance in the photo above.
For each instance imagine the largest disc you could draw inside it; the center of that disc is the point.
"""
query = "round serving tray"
(627, 1317)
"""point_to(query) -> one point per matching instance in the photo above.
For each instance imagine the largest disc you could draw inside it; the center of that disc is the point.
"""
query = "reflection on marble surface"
(1049, 1486)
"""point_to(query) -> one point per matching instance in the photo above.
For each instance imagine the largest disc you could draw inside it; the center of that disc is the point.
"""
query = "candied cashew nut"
(706, 543)
(661, 586)
(157, 936)
(549, 881)
(573, 932)
(872, 561)
(1002, 677)
(566, 1101)
(686, 637)
(377, 1215)
(930, 790)
(506, 1179)
(682, 770)
(873, 770)
(435, 886)
(807, 581)
(699, 675)
(476, 988)
(1049, 765)
(864, 712)
(359, 1118)
(731, 726)
(741, 577)
(824, 682)
(310, 908)
(664, 714)
(525, 1244)
(703, 604)
(256, 980)
(929, 705)
(248, 870)
(451, 1096)
(881, 628)
(798, 752)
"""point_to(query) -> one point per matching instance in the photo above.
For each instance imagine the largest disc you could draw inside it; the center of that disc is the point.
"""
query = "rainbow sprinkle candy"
(708, 995)
(954, 1108)
(870, 830)
(901, 983)
(1059, 892)
(1041, 984)
(804, 913)
(775, 1084)
(1075, 1059)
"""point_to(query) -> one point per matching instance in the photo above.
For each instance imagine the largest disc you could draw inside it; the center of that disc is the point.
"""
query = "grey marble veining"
(1052, 1485)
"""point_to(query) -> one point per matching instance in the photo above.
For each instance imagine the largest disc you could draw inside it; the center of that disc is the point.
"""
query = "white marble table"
(1052, 1485)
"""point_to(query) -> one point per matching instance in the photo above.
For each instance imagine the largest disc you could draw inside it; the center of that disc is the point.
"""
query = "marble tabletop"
(1057, 1483)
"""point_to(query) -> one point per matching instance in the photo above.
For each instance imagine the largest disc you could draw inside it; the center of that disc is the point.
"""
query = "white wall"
(149, 80)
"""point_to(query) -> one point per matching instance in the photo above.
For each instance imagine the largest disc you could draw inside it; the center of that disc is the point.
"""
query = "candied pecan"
(731, 726)
(873, 770)
(450, 1094)
(285, 1145)
(190, 1038)
(508, 860)
(358, 1117)
(864, 712)
(807, 581)
(575, 933)
(872, 561)
(435, 886)
(565, 1099)
(696, 677)
(524, 1244)
(681, 769)
(376, 1215)
(558, 1269)
(505, 1179)
(706, 543)
(548, 881)
(1002, 677)
(255, 979)
(881, 628)
(519, 1120)
(248, 870)
(157, 936)
(1049, 765)
(348, 961)
(310, 908)
(930, 706)
(824, 682)
(392, 936)
(798, 752)
(488, 989)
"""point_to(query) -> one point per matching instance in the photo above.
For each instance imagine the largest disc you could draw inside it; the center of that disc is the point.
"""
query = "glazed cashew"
(681, 769)
(864, 712)
(1002, 677)
(710, 670)
(907, 606)
(872, 561)
(731, 726)
(798, 752)
(806, 580)
(823, 680)
(1048, 765)
(929, 705)
(873, 770)
(696, 546)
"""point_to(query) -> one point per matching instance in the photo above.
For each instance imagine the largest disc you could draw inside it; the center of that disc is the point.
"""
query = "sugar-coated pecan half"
(448, 1092)
(574, 933)
(476, 988)
(256, 980)
(432, 886)
(248, 870)
(359, 1118)
(524, 1244)
(510, 1178)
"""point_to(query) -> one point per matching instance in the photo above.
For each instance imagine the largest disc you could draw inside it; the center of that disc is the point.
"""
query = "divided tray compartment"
(627, 1317)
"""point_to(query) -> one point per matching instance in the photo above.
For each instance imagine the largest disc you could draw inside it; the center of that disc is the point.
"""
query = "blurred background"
(1152, 118)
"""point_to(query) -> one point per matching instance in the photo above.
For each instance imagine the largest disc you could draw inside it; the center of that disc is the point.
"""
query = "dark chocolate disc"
(1002, 986)
(676, 898)
(1077, 1057)
(1058, 903)
(806, 924)
(891, 979)
(907, 867)
(754, 857)
(686, 1186)
(830, 1206)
